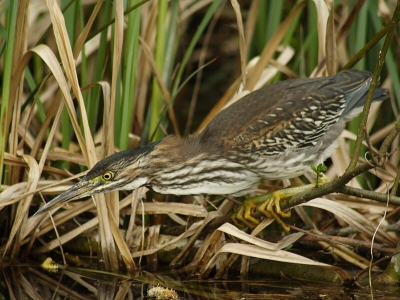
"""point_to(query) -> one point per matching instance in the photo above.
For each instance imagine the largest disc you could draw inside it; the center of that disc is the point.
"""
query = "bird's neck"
(174, 151)
(183, 166)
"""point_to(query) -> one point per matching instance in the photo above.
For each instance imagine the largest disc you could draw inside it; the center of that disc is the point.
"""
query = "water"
(78, 283)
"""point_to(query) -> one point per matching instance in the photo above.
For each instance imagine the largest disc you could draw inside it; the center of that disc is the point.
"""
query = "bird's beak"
(80, 190)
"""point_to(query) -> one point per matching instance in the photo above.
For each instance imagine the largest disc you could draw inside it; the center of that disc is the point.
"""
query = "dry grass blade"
(322, 15)
(42, 161)
(61, 154)
(80, 41)
(206, 252)
(381, 134)
(232, 95)
(285, 242)
(353, 218)
(177, 219)
(242, 41)
(223, 263)
(345, 253)
(107, 135)
(108, 132)
(189, 10)
(19, 225)
(189, 232)
(50, 59)
(161, 84)
(67, 237)
(286, 54)
(251, 21)
(13, 117)
(53, 116)
(260, 252)
(135, 201)
(50, 137)
(330, 46)
(344, 29)
(152, 242)
(60, 218)
(143, 65)
(122, 246)
(175, 208)
(12, 194)
(183, 254)
(13, 160)
(65, 51)
(104, 138)
(271, 47)
(341, 160)
(18, 191)
(194, 210)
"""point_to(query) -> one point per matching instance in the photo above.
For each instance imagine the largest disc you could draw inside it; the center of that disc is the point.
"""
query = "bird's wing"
(292, 114)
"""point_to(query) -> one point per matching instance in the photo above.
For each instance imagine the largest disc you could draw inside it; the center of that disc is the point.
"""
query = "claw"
(270, 206)
(243, 215)
(267, 204)
(273, 207)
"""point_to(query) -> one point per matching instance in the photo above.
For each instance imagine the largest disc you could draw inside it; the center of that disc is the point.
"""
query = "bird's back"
(290, 114)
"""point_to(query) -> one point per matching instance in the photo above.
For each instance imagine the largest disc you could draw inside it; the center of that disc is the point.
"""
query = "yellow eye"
(108, 175)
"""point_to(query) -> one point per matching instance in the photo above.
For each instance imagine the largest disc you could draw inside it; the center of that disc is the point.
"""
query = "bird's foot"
(243, 216)
(267, 204)
(270, 205)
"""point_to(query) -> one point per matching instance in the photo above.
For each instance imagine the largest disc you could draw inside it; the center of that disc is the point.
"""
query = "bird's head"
(125, 170)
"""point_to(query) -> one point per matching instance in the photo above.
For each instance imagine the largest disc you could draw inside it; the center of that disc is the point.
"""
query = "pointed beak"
(80, 190)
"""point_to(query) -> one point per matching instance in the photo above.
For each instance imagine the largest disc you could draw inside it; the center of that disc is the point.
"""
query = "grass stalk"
(8, 60)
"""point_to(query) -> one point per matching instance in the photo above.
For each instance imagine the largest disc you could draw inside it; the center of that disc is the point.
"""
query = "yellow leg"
(269, 205)
(243, 215)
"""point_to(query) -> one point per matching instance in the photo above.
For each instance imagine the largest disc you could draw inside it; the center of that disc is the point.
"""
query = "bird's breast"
(205, 177)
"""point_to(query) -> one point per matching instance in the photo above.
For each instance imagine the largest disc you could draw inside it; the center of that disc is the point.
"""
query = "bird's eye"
(108, 175)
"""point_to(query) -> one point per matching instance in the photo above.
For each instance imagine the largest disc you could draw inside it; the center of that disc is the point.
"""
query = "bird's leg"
(272, 204)
(269, 205)
(243, 216)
